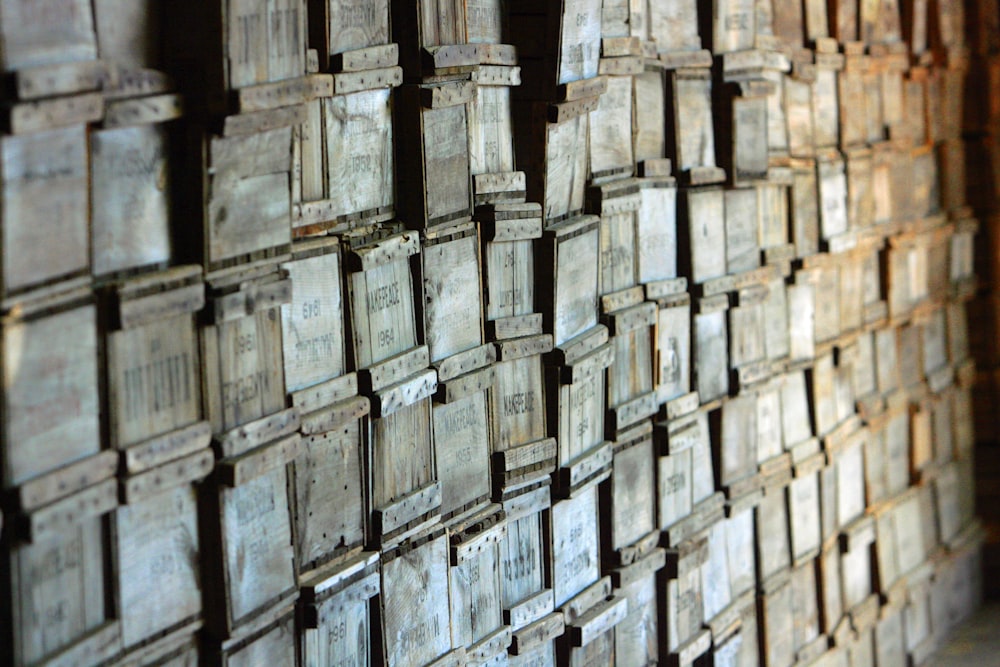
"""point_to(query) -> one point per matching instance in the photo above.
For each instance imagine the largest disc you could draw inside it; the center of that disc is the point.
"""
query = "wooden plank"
(710, 355)
(610, 130)
(574, 558)
(452, 289)
(401, 459)
(461, 451)
(690, 137)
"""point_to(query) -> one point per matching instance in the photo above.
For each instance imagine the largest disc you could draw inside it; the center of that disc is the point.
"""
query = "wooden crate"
(433, 38)
(551, 142)
(611, 150)
(349, 35)
(246, 526)
(709, 343)
(631, 392)
(681, 609)
(748, 338)
(57, 573)
(508, 233)
(773, 544)
(734, 450)
(131, 212)
(674, 28)
(240, 45)
(557, 43)
(380, 290)
(241, 347)
(685, 476)
(656, 229)
(180, 650)
(774, 215)
(335, 610)
(50, 386)
(452, 304)
(672, 344)
(569, 252)
(618, 204)
(701, 234)
(44, 196)
(591, 618)
(804, 208)
(690, 133)
(573, 547)
(526, 596)
(742, 230)
(648, 109)
(741, 128)
(432, 141)
(63, 33)
(247, 197)
(462, 429)
(271, 639)
(637, 635)
(491, 131)
(575, 397)
(733, 26)
(156, 545)
(798, 90)
(477, 619)
(629, 497)
(777, 621)
(344, 159)
(414, 619)
(330, 519)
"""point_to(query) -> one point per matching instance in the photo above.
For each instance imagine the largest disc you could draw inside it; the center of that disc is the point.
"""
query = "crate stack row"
(479, 332)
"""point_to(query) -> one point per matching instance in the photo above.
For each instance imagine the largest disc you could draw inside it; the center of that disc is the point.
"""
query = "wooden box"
(672, 370)
(777, 120)
(742, 230)
(798, 91)
(558, 42)
(491, 128)
(807, 640)
(44, 197)
(773, 546)
(709, 343)
(574, 545)
(414, 619)
(382, 323)
(656, 230)
(748, 337)
(777, 621)
(270, 639)
(349, 34)
(525, 595)
(648, 109)
(336, 611)
(508, 233)
(690, 133)
(50, 386)
(241, 347)
(682, 612)
(673, 27)
(637, 635)
(777, 335)
(239, 44)
(701, 234)
(735, 448)
(344, 160)
(611, 153)
(570, 253)
(551, 142)
(521, 450)
(462, 429)
(826, 113)
(804, 208)
(618, 205)
(629, 496)
(774, 215)
(575, 397)
(477, 619)
(452, 306)
(61, 33)
(741, 129)
(631, 392)
(130, 187)
(57, 573)
(684, 467)
(591, 620)
(733, 25)
(432, 143)
(247, 197)
(247, 528)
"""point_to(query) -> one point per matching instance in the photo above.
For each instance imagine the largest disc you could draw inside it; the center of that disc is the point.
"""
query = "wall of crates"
(470, 332)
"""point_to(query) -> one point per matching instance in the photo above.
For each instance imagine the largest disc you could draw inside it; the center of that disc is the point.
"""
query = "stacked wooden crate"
(481, 333)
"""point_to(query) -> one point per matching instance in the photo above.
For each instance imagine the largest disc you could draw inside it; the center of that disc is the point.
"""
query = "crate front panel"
(44, 180)
(462, 450)
(618, 252)
(510, 279)
(154, 384)
(446, 160)
(453, 297)
(357, 24)
(579, 39)
(329, 494)
(633, 495)
(631, 374)
(577, 265)
(656, 234)
(402, 453)
(257, 543)
(58, 588)
(357, 141)
(382, 313)
(491, 136)
(265, 41)
(673, 351)
(417, 622)
(521, 570)
(343, 633)
(313, 323)
(157, 553)
(45, 33)
(130, 198)
(244, 369)
(274, 647)
(575, 559)
(581, 416)
(566, 166)
(475, 598)
(50, 387)
(611, 128)
(518, 403)
(636, 637)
